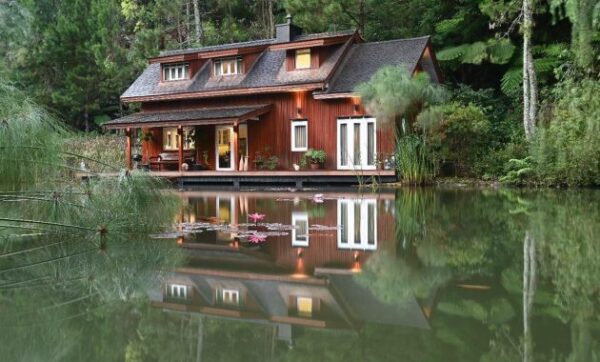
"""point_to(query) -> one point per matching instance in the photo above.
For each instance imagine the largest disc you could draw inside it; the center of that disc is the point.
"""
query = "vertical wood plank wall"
(273, 130)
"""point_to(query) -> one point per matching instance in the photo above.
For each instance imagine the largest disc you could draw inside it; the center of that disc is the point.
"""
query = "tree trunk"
(187, 23)
(529, 286)
(200, 340)
(197, 22)
(86, 121)
(361, 17)
(529, 78)
(271, 22)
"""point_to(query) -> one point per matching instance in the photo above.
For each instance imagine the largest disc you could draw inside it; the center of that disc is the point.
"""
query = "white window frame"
(303, 217)
(171, 72)
(175, 146)
(350, 122)
(302, 52)
(307, 299)
(299, 123)
(237, 67)
(231, 147)
(363, 243)
(230, 292)
(178, 291)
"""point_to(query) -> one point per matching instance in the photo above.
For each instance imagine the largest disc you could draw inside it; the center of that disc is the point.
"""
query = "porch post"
(180, 137)
(128, 149)
(236, 160)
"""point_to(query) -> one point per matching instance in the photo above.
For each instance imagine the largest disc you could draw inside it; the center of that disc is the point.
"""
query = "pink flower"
(257, 238)
(256, 217)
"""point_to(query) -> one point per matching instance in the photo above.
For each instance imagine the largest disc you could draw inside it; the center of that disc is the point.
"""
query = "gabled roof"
(364, 59)
(268, 70)
(348, 64)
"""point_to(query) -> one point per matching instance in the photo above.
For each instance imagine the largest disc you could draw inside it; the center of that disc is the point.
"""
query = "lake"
(412, 275)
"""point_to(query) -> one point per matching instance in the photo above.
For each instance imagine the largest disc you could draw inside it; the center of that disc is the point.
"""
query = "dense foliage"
(76, 57)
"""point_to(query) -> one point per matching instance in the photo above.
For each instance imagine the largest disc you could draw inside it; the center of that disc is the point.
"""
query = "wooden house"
(256, 107)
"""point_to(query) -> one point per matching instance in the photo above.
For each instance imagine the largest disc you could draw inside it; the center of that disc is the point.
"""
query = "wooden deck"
(297, 179)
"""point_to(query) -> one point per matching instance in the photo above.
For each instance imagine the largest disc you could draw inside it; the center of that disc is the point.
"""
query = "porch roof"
(192, 117)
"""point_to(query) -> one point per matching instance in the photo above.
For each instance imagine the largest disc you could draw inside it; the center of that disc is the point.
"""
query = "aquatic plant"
(257, 238)
(256, 217)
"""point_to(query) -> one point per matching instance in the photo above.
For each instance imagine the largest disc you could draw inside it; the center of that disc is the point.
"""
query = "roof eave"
(338, 95)
(224, 93)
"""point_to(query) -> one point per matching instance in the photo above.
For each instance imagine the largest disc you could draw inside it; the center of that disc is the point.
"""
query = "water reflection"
(302, 234)
(416, 275)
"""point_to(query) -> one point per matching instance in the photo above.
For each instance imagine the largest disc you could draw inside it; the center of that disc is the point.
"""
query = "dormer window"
(229, 66)
(178, 71)
(302, 59)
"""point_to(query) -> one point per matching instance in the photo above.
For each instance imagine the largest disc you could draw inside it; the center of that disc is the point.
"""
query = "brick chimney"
(287, 31)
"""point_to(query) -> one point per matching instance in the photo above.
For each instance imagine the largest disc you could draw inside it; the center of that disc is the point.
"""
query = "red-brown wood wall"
(273, 130)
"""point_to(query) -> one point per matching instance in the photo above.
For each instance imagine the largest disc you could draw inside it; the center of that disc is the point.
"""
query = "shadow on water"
(416, 275)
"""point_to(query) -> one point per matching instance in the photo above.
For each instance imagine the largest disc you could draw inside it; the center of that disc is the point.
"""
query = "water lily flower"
(256, 217)
(257, 238)
(318, 198)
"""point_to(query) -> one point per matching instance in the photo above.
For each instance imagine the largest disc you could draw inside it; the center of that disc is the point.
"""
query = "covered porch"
(206, 139)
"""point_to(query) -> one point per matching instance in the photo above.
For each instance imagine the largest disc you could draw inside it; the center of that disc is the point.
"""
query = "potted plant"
(314, 158)
(265, 160)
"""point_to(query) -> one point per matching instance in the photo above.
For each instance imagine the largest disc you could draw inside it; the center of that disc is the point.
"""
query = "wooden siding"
(273, 130)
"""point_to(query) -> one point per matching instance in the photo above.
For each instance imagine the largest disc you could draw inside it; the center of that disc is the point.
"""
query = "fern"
(451, 25)
(496, 51)
(500, 50)
(452, 53)
(475, 53)
(511, 81)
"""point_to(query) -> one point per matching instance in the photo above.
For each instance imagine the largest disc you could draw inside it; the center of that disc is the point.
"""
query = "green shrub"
(567, 150)
(460, 138)
(108, 149)
(518, 170)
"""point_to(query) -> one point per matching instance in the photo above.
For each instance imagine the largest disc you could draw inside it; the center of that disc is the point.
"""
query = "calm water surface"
(416, 275)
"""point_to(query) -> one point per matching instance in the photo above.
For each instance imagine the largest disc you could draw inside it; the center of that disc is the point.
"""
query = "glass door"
(356, 143)
(224, 145)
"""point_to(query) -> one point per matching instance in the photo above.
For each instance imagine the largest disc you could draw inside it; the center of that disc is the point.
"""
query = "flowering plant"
(256, 217)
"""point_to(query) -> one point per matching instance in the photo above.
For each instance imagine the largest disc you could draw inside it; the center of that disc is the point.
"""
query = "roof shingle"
(201, 114)
(364, 59)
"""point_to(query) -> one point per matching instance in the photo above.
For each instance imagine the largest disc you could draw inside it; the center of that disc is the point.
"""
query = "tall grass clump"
(412, 162)
(66, 244)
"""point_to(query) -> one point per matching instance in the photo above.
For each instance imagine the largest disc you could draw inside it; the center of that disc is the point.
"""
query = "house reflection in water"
(303, 278)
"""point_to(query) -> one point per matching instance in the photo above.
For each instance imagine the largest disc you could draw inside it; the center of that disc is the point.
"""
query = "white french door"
(357, 224)
(356, 143)
(224, 148)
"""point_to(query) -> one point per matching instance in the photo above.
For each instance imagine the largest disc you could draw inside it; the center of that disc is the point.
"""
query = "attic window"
(303, 59)
(178, 71)
(229, 66)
